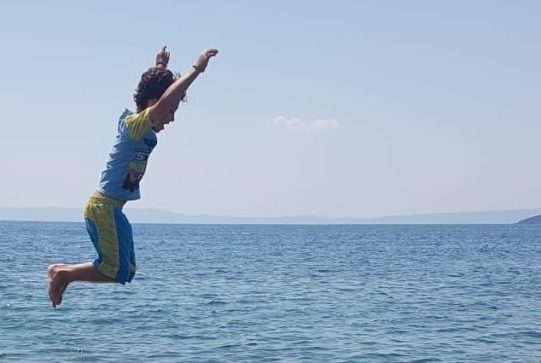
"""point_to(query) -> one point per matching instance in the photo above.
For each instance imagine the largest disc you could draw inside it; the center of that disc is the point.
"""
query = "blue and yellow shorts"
(111, 234)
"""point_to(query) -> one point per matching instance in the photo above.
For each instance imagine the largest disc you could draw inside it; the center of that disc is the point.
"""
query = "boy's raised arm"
(162, 58)
(162, 111)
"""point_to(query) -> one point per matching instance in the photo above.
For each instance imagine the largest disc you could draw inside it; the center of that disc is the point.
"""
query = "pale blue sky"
(333, 108)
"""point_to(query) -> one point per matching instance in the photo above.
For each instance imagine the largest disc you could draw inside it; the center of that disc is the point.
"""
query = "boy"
(157, 98)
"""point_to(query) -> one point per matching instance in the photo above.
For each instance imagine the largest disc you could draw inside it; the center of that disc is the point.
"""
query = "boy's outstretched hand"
(203, 60)
(162, 58)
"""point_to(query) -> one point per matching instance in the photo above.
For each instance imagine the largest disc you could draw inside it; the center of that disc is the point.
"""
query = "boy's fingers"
(211, 53)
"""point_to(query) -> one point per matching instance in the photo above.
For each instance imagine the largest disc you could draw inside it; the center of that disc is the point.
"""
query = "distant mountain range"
(139, 215)
(531, 220)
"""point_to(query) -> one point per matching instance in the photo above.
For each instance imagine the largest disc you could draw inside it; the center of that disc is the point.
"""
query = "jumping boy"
(157, 98)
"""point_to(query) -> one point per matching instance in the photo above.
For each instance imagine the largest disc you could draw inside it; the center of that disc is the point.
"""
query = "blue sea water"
(269, 293)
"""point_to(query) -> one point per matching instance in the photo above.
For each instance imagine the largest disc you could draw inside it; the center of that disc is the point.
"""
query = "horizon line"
(162, 216)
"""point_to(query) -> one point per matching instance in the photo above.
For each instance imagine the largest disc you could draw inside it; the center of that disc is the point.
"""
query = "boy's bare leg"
(61, 275)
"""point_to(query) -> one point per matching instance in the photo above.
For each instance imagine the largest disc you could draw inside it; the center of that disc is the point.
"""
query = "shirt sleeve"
(138, 124)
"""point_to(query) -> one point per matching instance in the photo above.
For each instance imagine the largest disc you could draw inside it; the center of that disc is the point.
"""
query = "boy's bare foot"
(57, 285)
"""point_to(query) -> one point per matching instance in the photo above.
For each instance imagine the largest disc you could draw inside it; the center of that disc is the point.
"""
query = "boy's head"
(152, 86)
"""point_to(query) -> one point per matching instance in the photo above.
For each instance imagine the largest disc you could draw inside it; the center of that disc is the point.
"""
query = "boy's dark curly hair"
(152, 85)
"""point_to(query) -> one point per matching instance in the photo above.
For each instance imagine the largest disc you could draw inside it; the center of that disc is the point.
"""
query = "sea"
(279, 293)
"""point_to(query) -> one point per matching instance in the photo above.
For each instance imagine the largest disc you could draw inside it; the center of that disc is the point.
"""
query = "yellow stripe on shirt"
(138, 124)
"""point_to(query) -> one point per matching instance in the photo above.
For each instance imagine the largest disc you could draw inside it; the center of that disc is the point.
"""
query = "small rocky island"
(531, 220)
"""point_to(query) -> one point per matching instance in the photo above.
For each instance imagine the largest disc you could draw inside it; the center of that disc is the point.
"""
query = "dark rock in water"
(531, 220)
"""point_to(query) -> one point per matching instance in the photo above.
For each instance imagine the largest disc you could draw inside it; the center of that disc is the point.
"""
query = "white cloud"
(298, 124)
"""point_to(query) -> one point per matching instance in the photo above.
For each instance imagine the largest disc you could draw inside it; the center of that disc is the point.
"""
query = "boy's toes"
(55, 286)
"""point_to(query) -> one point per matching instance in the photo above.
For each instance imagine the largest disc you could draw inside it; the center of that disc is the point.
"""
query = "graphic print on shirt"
(137, 166)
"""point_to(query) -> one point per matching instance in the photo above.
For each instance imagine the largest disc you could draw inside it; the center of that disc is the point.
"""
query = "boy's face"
(168, 120)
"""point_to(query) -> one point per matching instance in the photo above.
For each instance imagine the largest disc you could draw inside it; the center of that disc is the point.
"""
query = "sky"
(329, 108)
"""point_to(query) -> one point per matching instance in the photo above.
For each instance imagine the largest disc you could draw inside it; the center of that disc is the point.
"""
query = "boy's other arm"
(168, 102)
(162, 58)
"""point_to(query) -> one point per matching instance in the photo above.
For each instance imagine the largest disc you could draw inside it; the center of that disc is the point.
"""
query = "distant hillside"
(140, 215)
(531, 220)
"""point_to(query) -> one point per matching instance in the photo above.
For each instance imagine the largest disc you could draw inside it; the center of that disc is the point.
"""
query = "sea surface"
(279, 293)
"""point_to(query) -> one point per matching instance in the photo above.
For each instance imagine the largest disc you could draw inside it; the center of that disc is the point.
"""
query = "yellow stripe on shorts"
(100, 212)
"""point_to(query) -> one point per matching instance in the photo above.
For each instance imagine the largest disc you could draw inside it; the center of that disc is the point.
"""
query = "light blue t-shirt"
(127, 162)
